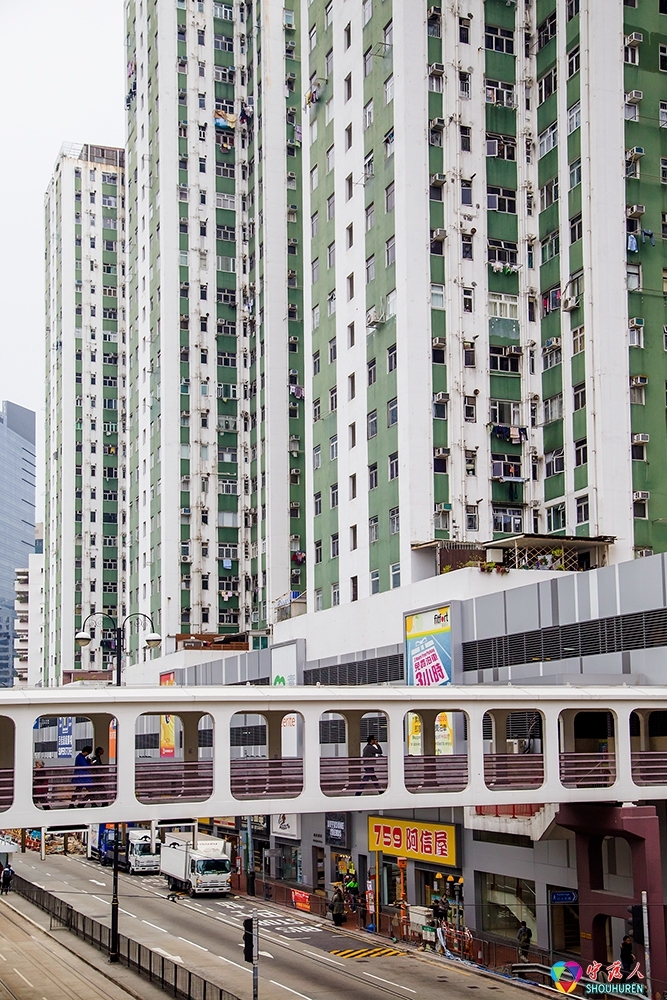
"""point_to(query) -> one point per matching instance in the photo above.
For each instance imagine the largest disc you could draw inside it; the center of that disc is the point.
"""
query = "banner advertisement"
(112, 742)
(286, 825)
(415, 841)
(428, 648)
(65, 736)
(300, 900)
(444, 735)
(167, 722)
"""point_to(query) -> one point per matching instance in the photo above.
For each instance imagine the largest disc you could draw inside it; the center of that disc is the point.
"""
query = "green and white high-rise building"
(86, 354)
(396, 275)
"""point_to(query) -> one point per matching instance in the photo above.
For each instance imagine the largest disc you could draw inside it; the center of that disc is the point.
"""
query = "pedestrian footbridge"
(495, 746)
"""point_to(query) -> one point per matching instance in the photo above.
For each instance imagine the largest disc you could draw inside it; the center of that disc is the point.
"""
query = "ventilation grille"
(377, 671)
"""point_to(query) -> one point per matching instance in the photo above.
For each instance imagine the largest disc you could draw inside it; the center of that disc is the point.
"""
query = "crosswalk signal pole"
(255, 956)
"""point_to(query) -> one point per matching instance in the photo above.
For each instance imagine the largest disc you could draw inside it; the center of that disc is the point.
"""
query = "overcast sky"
(64, 78)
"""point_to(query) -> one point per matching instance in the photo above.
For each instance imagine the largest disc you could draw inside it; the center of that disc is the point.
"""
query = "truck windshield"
(214, 866)
(144, 848)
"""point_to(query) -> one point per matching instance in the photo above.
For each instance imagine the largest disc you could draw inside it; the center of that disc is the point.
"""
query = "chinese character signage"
(65, 736)
(566, 976)
(428, 648)
(414, 841)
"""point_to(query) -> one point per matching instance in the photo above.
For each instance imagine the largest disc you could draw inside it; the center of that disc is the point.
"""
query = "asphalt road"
(297, 951)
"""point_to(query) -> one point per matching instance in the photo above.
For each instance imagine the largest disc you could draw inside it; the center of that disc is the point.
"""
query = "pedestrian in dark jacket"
(7, 876)
(370, 752)
(338, 906)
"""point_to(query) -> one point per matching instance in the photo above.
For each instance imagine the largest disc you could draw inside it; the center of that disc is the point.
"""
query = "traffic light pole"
(255, 956)
(647, 944)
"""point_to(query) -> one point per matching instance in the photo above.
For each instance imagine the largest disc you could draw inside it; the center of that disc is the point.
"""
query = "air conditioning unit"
(185, 479)
(290, 46)
(374, 317)
(436, 69)
(552, 342)
(440, 397)
(636, 380)
(640, 438)
(291, 176)
(437, 180)
(636, 38)
(439, 342)
(439, 234)
(569, 303)
(291, 76)
(515, 350)
(434, 12)
(293, 208)
(634, 96)
(634, 153)
(437, 124)
(635, 211)
(641, 495)
(293, 243)
(186, 511)
(636, 323)
(439, 507)
(440, 452)
(186, 559)
(294, 340)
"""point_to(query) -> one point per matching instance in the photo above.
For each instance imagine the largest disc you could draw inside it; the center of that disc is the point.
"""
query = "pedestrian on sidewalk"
(7, 876)
(338, 906)
(524, 936)
(370, 752)
(626, 955)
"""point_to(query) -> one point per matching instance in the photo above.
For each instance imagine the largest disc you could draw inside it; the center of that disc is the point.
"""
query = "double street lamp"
(153, 640)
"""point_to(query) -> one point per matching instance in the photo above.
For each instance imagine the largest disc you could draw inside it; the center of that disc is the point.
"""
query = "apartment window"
(366, 11)
(372, 424)
(352, 429)
(317, 457)
(468, 300)
(550, 246)
(663, 170)
(549, 193)
(579, 396)
(314, 178)
(501, 200)
(578, 340)
(553, 408)
(662, 58)
(502, 252)
(638, 452)
(556, 517)
(466, 246)
(375, 581)
(551, 300)
(391, 358)
(469, 359)
(505, 466)
(395, 575)
(546, 86)
(333, 495)
(472, 517)
(572, 9)
(317, 410)
(634, 279)
(638, 395)
(392, 412)
(548, 139)
(662, 114)
(464, 30)
(393, 466)
(331, 255)
(331, 303)
(368, 114)
(389, 88)
(500, 93)
(316, 363)
(318, 599)
(333, 399)
(580, 452)
(501, 361)
(334, 545)
(470, 409)
(640, 509)
(552, 358)
(576, 229)
(507, 520)
(368, 62)
(505, 411)
(333, 447)
(315, 313)
(315, 270)
(574, 117)
(347, 33)
(394, 521)
(575, 173)
(318, 551)
(328, 63)
(437, 296)
(554, 462)
(573, 61)
(391, 303)
(390, 251)
(501, 147)
(370, 269)
(464, 85)
(317, 504)
(498, 39)
(390, 197)
(371, 368)
(583, 514)
(370, 216)
(331, 207)
(546, 31)
(440, 413)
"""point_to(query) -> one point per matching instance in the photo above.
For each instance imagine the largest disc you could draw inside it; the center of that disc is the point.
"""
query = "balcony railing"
(6, 788)
(447, 773)
(171, 781)
(587, 770)
(649, 767)
(513, 770)
(353, 775)
(69, 787)
(262, 778)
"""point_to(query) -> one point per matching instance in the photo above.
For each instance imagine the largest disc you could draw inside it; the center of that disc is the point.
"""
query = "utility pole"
(255, 956)
(647, 944)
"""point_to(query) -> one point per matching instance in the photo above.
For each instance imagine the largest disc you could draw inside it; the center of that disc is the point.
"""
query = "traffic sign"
(568, 896)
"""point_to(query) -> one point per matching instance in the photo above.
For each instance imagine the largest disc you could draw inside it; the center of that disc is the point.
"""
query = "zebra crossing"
(365, 952)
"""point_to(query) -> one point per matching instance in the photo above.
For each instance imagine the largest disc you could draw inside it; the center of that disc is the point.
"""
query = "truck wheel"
(190, 890)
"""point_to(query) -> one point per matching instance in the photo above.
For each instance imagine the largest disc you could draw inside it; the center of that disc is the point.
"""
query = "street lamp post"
(83, 638)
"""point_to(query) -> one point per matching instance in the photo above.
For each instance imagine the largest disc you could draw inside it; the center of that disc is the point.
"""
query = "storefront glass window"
(505, 902)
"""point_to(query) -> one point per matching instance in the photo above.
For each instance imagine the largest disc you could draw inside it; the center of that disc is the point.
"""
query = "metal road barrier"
(175, 979)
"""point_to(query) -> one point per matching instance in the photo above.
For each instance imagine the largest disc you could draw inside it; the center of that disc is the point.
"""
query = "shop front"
(417, 861)
(337, 838)
(286, 829)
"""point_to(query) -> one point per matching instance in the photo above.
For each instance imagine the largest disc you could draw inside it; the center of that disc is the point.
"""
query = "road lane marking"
(193, 943)
(155, 926)
(127, 912)
(3, 958)
(243, 968)
(24, 979)
(105, 901)
(266, 954)
(172, 958)
(325, 957)
(95, 881)
(295, 992)
(389, 982)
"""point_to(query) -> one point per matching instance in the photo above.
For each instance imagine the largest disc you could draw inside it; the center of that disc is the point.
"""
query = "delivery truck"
(134, 850)
(205, 868)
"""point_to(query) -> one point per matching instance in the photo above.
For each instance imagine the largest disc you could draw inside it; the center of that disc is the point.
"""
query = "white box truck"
(134, 853)
(205, 868)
